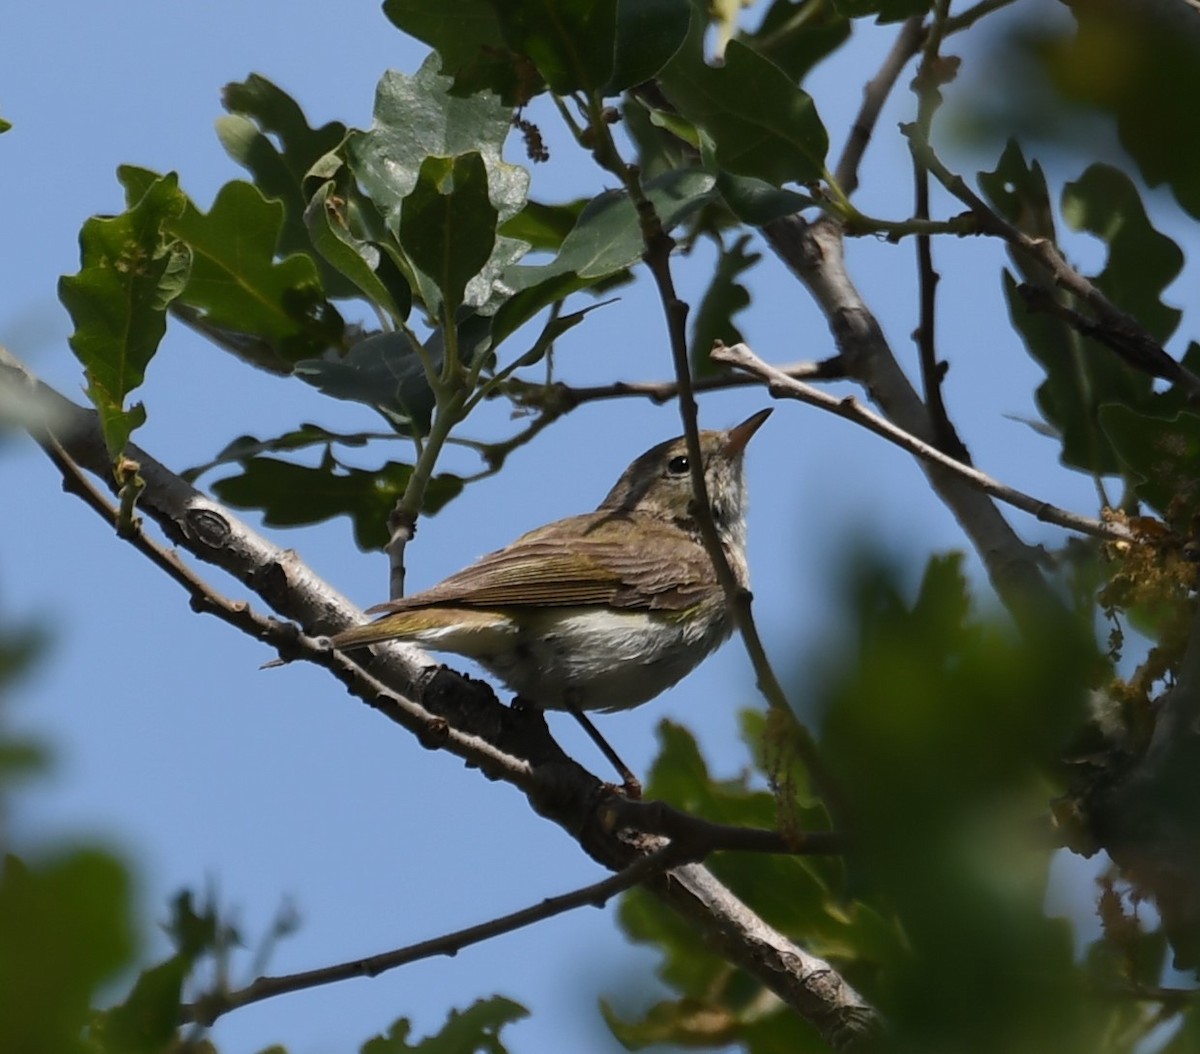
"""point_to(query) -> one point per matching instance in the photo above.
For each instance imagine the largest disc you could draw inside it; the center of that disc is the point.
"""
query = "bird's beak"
(738, 436)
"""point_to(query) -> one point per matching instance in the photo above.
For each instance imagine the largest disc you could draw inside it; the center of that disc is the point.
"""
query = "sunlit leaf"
(132, 268)
(266, 132)
(358, 261)
(448, 227)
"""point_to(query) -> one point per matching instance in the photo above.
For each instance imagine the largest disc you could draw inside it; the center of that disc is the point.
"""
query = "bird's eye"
(678, 466)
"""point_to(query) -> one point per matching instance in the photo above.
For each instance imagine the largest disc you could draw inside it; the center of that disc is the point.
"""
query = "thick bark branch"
(814, 252)
(557, 787)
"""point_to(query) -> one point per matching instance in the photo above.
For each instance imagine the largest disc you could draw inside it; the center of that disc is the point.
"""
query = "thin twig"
(566, 794)
(927, 85)
(657, 256)
(875, 94)
(209, 1008)
(742, 357)
(428, 727)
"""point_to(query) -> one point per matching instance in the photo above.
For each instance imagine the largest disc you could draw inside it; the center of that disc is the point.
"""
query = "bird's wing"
(590, 559)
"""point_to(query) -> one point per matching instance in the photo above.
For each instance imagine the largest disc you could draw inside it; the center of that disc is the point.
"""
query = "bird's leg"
(632, 785)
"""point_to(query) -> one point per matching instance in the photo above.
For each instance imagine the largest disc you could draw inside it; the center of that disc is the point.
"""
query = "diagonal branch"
(207, 1009)
(815, 253)
(1122, 331)
(781, 386)
(447, 710)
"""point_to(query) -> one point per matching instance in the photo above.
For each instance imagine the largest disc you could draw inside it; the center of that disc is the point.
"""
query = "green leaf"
(448, 227)
(648, 34)
(132, 268)
(291, 495)
(258, 111)
(468, 38)
(1163, 454)
(475, 1029)
(1135, 64)
(237, 283)
(760, 123)
(307, 435)
(757, 202)
(544, 226)
(794, 44)
(1081, 374)
(416, 118)
(384, 372)
(357, 260)
(67, 930)
(147, 1020)
(526, 303)
(1141, 262)
(608, 237)
(723, 299)
(571, 42)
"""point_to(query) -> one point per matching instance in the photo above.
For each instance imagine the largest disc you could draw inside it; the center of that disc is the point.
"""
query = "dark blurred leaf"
(648, 34)
(886, 10)
(760, 123)
(718, 1005)
(259, 110)
(1163, 453)
(571, 42)
(475, 1029)
(1141, 262)
(357, 261)
(797, 34)
(1142, 64)
(448, 228)
(146, 1021)
(291, 495)
(724, 298)
(131, 269)
(468, 39)
(1081, 374)
(66, 930)
(943, 729)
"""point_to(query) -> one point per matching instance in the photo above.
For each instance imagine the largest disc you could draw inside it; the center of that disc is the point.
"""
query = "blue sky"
(275, 786)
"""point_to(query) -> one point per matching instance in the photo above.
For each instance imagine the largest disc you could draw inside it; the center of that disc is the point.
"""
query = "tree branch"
(814, 252)
(208, 1008)
(782, 387)
(452, 712)
(1121, 331)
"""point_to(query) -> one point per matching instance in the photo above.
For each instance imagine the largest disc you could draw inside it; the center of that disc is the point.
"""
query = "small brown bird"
(601, 611)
